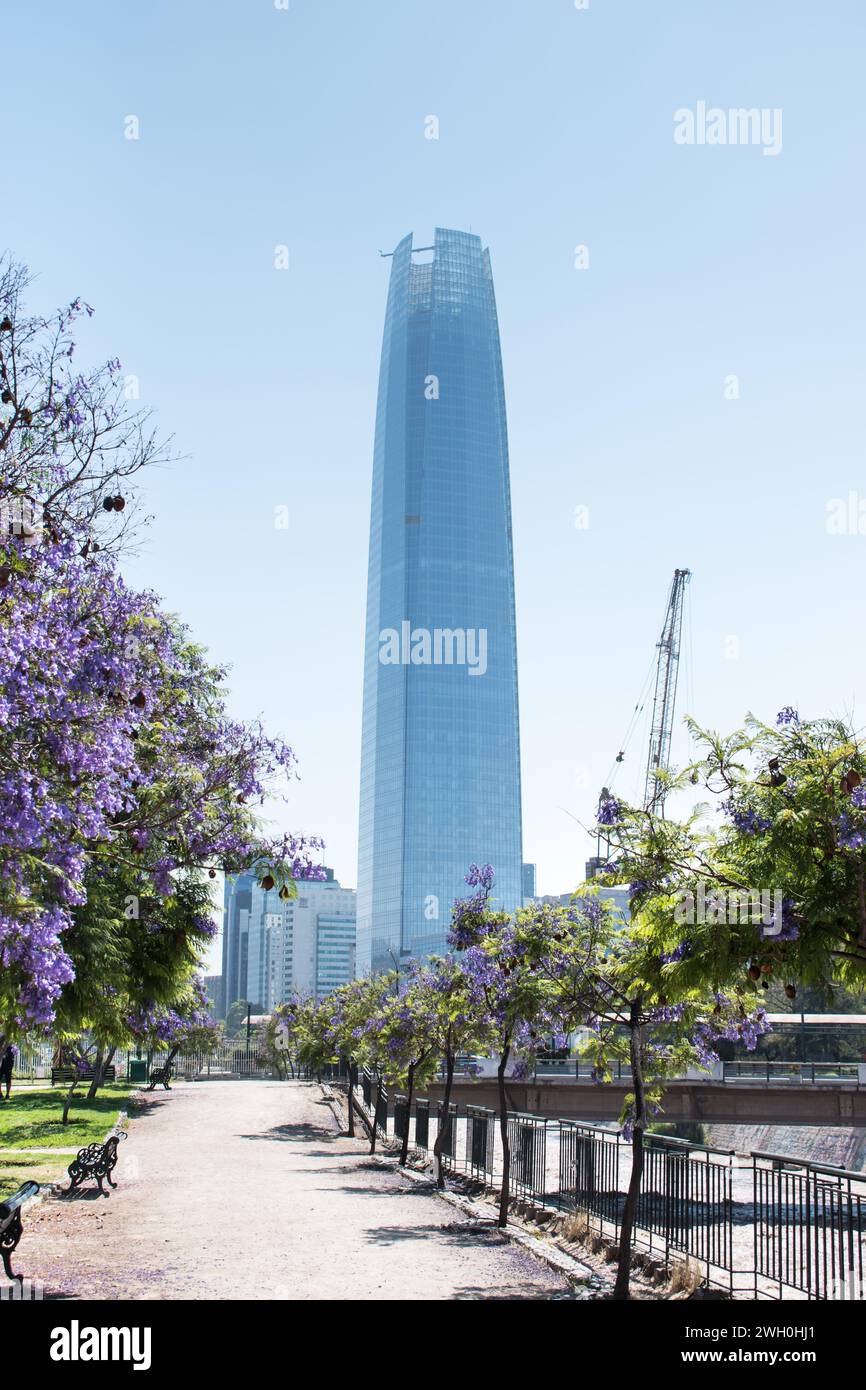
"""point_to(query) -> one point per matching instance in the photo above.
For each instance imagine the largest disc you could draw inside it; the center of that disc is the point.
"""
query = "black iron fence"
(810, 1228)
(422, 1125)
(771, 1228)
(381, 1115)
(448, 1129)
(401, 1117)
(527, 1141)
(686, 1203)
(480, 1139)
(589, 1179)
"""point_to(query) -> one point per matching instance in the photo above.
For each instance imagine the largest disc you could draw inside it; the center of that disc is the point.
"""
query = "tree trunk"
(410, 1083)
(375, 1113)
(441, 1129)
(505, 1192)
(98, 1068)
(103, 1060)
(353, 1078)
(68, 1100)
(621, 1288)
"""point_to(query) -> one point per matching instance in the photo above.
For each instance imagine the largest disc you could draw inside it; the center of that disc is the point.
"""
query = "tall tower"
(236, 921)
(440, 758)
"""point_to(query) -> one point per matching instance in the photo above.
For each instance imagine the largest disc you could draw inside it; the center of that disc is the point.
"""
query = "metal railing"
(381, 1116)
(233, 1057)
(236, 1057)
(766, 1072)
(447, 1126)
(808, 1221)
(422, 1125)
(401, 1117)
(527, 1141)
(589, 1171)
(810, 1228)
(687, 1202)
(480, 1137)
(791, 1071)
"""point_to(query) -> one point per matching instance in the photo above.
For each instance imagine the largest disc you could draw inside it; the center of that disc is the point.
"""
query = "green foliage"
(132, 948)
(794, 829)
(236, 1018)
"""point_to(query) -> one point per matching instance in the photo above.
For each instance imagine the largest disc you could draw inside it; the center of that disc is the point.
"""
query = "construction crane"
(664, 699)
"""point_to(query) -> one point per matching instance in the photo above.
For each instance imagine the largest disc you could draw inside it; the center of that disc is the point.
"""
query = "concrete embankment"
(838, 1146)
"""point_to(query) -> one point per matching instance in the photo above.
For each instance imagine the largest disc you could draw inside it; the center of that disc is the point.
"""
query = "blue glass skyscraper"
(440, 759)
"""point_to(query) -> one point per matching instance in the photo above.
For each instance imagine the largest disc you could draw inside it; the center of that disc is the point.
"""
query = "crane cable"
(633, 723)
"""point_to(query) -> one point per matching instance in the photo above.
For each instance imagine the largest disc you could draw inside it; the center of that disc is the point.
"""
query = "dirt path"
(244, 1189)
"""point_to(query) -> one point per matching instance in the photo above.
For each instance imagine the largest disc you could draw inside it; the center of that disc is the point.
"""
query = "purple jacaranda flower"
(745, 818)
(609, 810)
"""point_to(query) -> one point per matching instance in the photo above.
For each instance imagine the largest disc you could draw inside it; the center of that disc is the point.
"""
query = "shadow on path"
(299, 1132)
(515, 1293)
(80, 1194)
(457, 1233)
(375, 1191)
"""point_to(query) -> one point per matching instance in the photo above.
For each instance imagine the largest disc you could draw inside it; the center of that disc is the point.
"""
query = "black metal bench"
(160, 1074)
(66, 1075)
(10, 1224)
(97, 1161)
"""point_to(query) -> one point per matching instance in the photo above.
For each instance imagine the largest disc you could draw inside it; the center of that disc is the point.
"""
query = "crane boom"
(664, 699)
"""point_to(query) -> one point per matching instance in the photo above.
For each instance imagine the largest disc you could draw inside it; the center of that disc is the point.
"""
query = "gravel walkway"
(244, 1190)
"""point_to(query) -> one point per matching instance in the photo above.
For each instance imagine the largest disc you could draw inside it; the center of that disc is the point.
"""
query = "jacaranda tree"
(122, 778)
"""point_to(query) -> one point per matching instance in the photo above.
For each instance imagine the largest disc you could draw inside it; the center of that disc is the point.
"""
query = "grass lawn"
(34, 1119)
(38, 1167)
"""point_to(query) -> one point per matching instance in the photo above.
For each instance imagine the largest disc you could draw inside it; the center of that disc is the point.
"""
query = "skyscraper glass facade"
(304, 944)
(440, 766)
(236, 916)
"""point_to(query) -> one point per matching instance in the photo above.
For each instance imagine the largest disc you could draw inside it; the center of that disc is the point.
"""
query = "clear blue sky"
(305, 127)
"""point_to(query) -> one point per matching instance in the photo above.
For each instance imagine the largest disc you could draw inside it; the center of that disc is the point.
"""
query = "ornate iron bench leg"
(11, 1237)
